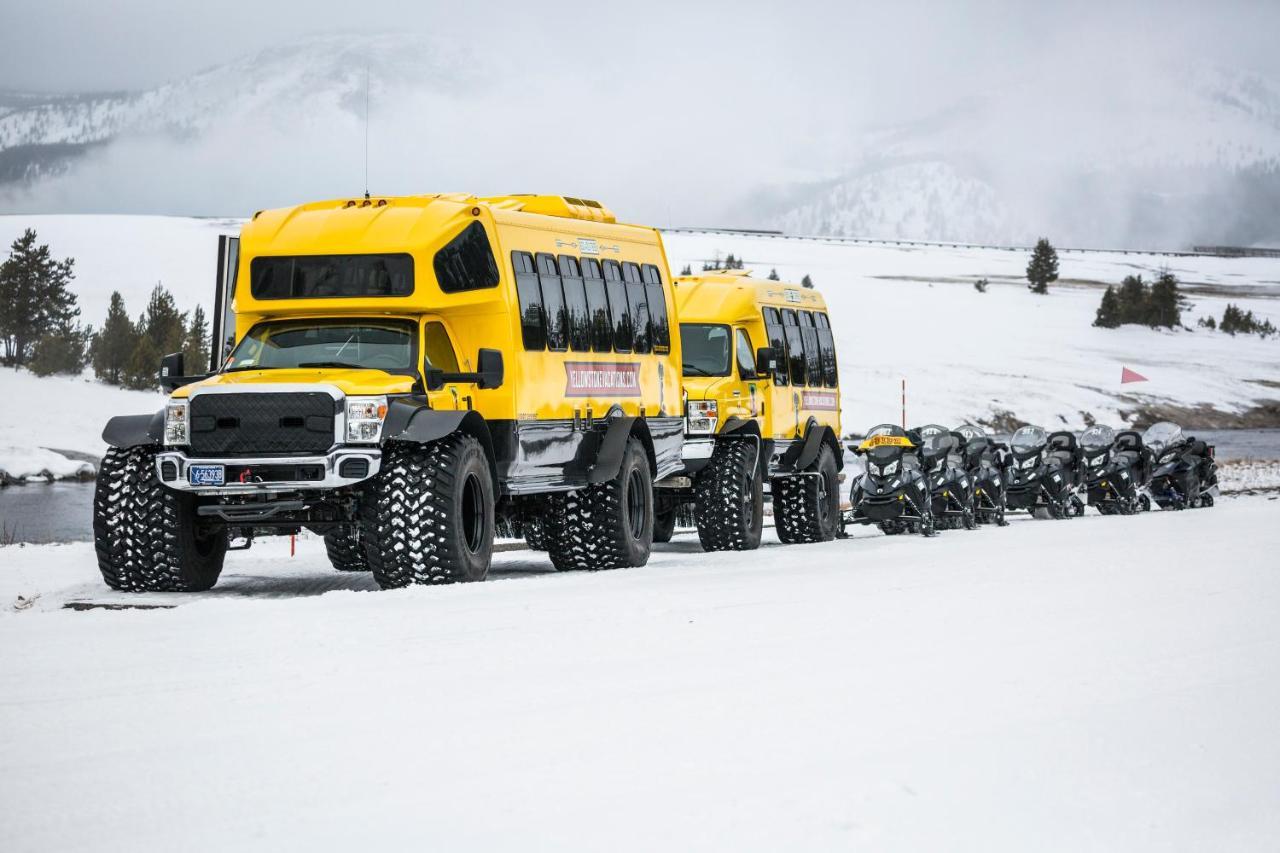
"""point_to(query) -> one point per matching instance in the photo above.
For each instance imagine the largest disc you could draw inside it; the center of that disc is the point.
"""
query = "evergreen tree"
(1232, 320)
(114, 344)
(1207, 323)
(1109, 311)
(981, 285)
(195, 349)
(688, 270)
(1042, 269)
(1164, 305)
(142, 371)
(806, 281)
(773, 275)
(60, 351)
(163, 323)
(34, 299)
(1133, 299)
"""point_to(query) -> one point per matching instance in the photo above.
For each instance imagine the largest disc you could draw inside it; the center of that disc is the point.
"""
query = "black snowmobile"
(893, 492)
(950, 486)
(1185, 474)
(1043, 474)
(984, 460)
(1117, 469)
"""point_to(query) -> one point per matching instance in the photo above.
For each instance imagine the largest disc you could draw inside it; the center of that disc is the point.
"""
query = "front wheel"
(148, 538)
(729, 508)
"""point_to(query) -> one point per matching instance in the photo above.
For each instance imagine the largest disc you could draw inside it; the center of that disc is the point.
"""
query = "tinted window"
(438, 349)
(704, 349)
(795, 346)
(658, 322)
(575, 300)
(778, 342)
(745, 356)
(331, 276)
(597, 306)
(467, 261)
(827, 345)
(618, 312)
(638, 302)
(557, 317)
(385, 345)
(812, 353)
(529, 292)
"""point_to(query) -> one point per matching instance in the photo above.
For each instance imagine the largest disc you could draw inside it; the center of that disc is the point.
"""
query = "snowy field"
(1093, 684)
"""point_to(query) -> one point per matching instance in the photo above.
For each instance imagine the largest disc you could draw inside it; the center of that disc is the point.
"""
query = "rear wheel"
(148, 538)
(535, 533)
(729, 509)
(427, 517)
(606, 525)
(346, 551)
(806, 507)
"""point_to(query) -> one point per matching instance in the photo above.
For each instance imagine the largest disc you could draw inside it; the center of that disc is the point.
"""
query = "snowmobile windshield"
(971, 432)
(1096, 437)
(1029, 438)
(1162, 435)
(386, 345)
(940, 443)
(705, 348)
(885, 453)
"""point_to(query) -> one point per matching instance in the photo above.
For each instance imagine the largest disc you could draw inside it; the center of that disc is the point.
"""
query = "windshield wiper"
(337, 364)
(691, 370)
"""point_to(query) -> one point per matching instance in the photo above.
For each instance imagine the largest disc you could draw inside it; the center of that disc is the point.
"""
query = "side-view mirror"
(173, 374)
(490, 375)
(766, 361)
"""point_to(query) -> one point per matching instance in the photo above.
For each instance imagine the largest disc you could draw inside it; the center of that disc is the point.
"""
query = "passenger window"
(597, 306)
(778, 343)
(529, 294)
(658, 321)
(553, 303)
(745, 356)
(618, 312)
(466, 262)
(795, 346)
(812, 354)
(827, 345)
(575, 298)
(637, 301)
(438, 349)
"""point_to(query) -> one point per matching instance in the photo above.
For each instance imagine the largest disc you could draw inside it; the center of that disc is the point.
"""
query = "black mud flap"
(124, 431)
(803, 454)
(612, 446)
(411, 421)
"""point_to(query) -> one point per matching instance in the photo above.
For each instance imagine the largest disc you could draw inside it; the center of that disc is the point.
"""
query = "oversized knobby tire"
(535, 533)
(807, 508)
(346, 551)
(729, 508)
(607, 525)
(427, 517)
(664, 526)
(148, 538)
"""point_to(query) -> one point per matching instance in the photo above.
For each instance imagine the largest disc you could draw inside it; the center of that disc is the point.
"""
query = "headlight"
(1029, 463)
(884, 470)
(364, 419)
(702, 415)
(177, 423)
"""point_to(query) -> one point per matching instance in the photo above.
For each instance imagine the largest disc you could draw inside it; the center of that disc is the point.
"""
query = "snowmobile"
(950, 486)
(1043, 474)
(1185, 475)
(893, 493)
(984, 460)
(1117, 469)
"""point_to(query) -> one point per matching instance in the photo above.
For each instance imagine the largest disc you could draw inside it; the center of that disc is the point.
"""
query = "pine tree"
(114, 344)
(163, 323)
(1109, 311)
(1207, 323)
(142, 372)
(981, 285)
(34, 299)
(1231, 320)
(1133, 299)
(1164, 305)
(195, 349)
(1042, 269)
(688, 270)
(806, 281)
(773, 275)
(60, 351)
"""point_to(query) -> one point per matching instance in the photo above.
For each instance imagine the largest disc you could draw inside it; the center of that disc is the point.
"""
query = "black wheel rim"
(472, 513)
(635, 504)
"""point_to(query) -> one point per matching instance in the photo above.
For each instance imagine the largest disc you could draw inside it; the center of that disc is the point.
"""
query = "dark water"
(62, 512)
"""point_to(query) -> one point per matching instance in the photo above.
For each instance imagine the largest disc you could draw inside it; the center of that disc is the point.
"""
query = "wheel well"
(474, 425)
(640, 430)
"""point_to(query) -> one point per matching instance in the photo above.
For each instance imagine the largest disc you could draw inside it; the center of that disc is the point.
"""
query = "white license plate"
(206, 475)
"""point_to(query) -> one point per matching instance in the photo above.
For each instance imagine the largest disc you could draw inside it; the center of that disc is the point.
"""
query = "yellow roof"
(723, 296)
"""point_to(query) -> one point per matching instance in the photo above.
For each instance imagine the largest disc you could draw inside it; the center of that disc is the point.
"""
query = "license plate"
(206, 475)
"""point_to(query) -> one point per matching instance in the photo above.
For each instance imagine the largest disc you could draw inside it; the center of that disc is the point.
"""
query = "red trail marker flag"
(1127, 375)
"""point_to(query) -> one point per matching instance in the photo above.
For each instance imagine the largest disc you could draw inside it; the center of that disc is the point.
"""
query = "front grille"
(266, 424)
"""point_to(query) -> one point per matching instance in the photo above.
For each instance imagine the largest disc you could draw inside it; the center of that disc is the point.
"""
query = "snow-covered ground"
(1093, 684)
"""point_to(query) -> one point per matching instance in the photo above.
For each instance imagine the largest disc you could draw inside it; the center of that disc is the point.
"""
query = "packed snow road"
(1099, 683)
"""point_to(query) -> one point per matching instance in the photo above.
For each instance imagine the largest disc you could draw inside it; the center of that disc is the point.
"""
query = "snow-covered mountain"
(1191, 156)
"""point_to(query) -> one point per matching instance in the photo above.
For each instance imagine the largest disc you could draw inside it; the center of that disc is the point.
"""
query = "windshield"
(1028, 438)
(370, 344)
(1162, 435)
(1097, 436)
(970, 432)
(706, 349)
(941, 442)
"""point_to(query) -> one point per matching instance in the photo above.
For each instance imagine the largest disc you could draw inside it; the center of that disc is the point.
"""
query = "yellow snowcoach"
(400, 374)
(763, 404)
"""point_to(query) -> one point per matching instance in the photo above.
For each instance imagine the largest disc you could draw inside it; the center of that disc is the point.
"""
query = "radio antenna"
(366, 130)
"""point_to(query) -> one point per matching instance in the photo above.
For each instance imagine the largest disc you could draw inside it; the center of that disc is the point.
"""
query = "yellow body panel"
(734, 298)
(536, 384)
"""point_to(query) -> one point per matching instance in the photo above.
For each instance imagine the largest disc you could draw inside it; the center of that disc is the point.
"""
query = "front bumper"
(343, 466)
